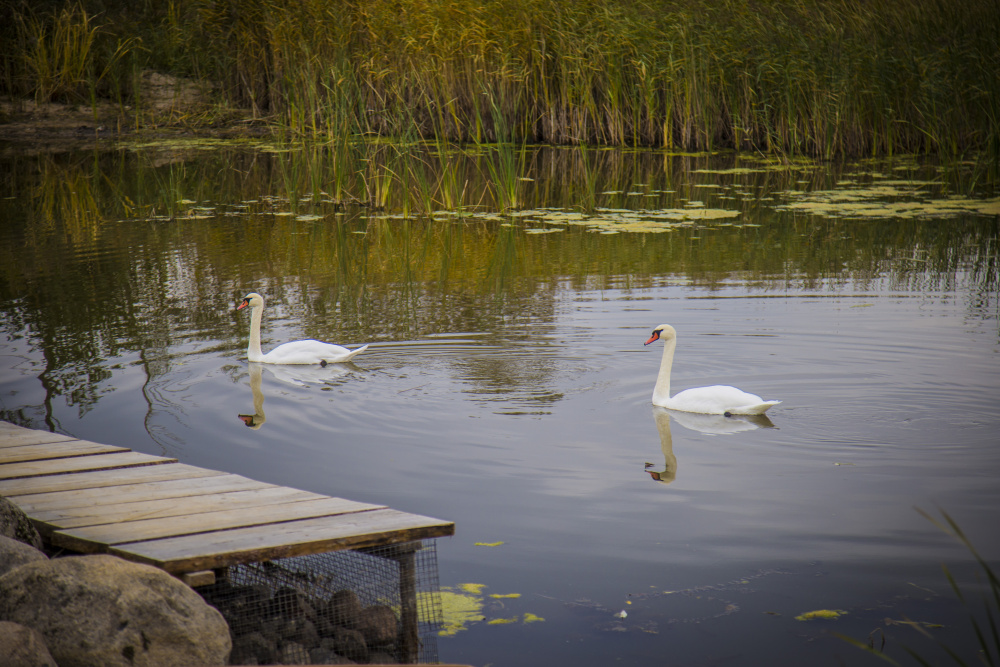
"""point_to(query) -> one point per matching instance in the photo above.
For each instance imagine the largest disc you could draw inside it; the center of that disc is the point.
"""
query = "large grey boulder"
(102, 610)
(21, 646)
(15, 554)
(15, 524)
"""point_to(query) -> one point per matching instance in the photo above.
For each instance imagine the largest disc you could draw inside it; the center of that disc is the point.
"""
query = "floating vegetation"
(474, 589)
(820, 613)
(458, 610)
(502, 621)
(884, 199)
(613, 221)
(465, 604)
(488, 544)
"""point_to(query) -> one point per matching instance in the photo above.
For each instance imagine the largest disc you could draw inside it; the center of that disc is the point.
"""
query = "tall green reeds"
(817, 77)
(984, 619)
(65, 54)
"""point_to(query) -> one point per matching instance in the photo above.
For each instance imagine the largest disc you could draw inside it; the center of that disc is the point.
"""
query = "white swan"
(296, 352)
(714, 400)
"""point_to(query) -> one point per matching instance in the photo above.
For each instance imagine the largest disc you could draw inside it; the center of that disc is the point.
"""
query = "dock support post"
(405, 556)
(409, 649)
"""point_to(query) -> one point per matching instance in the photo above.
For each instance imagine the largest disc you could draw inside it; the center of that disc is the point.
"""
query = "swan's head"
(664, 331)
(253, 300)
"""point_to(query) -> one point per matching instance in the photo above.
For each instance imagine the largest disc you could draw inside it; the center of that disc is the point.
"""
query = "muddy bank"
(171, 107)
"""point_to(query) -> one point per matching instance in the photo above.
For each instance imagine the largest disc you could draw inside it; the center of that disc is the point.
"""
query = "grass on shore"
(821, 78)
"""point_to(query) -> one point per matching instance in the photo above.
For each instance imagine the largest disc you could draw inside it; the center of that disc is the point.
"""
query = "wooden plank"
(91, 539)
(78, 463)
(295, 538)
(201, 578)
(132, 493)
(15, 436)
(76, 517)
(55, 450)
(12, 488)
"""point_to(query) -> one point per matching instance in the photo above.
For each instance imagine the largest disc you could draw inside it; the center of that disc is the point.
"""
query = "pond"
(507, 387)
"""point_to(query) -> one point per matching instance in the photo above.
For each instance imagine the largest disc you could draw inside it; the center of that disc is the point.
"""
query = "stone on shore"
(15, 524)
(23, 647)
(15, 554)
(104, 611)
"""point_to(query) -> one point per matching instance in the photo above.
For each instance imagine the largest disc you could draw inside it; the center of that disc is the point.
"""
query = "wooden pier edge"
(192, 522)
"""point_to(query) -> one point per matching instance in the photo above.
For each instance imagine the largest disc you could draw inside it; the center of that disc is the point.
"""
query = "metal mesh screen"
(379, 605)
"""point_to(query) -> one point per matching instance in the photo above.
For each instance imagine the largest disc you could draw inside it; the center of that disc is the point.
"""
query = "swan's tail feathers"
(356, 352)
(756, 409)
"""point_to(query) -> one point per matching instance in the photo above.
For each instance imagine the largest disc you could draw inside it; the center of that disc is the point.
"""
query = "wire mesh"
(378, 605)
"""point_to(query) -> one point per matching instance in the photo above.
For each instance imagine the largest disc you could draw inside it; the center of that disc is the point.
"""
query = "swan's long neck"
(661, 392)
(253, 349)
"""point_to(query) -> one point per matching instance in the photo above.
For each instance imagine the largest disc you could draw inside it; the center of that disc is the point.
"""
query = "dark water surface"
(507, 387)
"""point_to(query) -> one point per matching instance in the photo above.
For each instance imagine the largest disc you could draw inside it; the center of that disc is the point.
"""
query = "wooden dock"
(93, 498)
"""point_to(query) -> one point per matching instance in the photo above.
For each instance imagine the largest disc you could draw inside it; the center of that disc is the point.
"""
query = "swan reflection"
(257, 419)
(709, 424)
(299, 376)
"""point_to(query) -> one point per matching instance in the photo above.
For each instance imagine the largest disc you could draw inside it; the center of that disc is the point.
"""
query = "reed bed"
(824, 78)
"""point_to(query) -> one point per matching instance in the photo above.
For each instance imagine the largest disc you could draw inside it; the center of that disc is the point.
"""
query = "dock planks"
(95, 498)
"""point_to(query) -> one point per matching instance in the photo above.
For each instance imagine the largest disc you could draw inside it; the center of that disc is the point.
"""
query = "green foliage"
(840, 77)
(64, 54)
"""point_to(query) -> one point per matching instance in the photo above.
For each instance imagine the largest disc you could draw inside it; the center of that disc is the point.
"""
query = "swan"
(296, 352)
(714, 400)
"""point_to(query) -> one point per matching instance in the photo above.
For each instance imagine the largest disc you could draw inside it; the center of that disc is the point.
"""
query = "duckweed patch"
(884, 199)
(465, 604)
(458, 610)
(502, 621)
(611, 221)
(820, 613)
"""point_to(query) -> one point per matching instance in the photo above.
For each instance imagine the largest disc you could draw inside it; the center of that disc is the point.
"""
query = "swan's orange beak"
(243, 305)
(653, 338)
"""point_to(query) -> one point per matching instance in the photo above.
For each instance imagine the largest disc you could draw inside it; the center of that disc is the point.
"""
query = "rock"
(351, 644)
(378, 624)
(382, 658)
(102, 610)
(343, 609)
(254, 649)
(23, 647)
(164, 92)
(294, 654)
(15, 524)
(301, 631)
(241, 606)
(326, 656)
(291, 603)
(14, 554)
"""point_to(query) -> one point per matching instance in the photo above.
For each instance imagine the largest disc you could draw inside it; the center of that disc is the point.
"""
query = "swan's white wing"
(310, 352)
(719, 400)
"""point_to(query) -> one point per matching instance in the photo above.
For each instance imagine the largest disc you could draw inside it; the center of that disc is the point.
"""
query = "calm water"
(507, 387)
